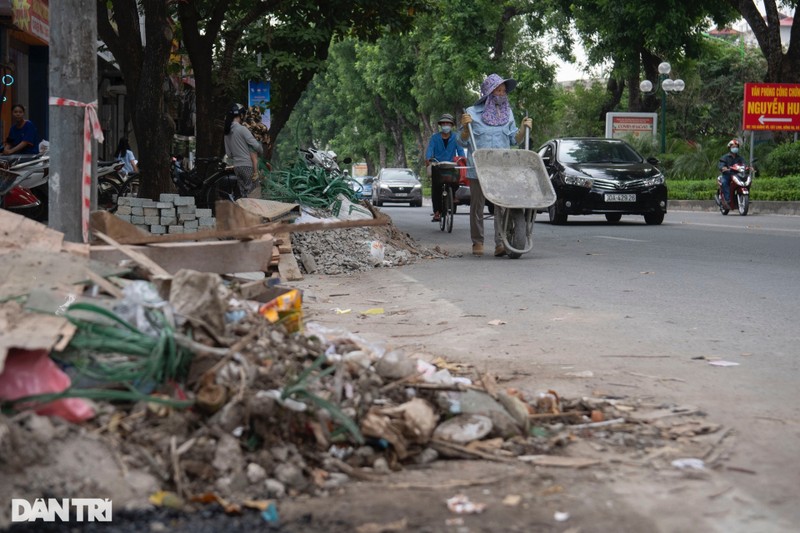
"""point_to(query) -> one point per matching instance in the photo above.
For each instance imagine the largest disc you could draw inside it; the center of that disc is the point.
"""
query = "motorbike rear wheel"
(719, 204)
(744, 203)
(107, 193)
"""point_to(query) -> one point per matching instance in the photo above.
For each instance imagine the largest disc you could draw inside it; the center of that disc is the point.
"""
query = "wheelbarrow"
(516, 181)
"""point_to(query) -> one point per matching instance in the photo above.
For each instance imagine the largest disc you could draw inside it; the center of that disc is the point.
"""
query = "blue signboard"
(258, 95)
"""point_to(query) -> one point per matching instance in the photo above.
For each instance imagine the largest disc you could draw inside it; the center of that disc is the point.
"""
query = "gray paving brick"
(184, 200)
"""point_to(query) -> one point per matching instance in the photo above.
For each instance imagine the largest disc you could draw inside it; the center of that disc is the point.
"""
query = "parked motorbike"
(210, 180)
(326, 160)
(113, 182)
(19, 199)
(741, 179)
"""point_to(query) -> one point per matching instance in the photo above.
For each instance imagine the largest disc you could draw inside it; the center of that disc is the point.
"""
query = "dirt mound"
(352, 250)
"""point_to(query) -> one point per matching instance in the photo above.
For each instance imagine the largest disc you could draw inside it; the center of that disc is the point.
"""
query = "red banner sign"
(771, 106)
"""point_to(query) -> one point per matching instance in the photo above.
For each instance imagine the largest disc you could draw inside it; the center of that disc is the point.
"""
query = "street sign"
(622, 124)
(771, 106)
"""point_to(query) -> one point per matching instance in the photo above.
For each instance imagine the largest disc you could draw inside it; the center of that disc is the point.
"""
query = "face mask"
(501, 99)
(447, 129)
(734, 150)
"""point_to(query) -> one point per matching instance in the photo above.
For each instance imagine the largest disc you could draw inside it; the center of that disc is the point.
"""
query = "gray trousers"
(477, 203)
(246, 183)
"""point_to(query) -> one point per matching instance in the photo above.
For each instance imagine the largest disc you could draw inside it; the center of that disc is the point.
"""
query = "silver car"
(397, 185)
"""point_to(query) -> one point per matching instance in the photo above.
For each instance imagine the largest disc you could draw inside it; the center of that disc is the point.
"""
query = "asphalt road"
(627, 300)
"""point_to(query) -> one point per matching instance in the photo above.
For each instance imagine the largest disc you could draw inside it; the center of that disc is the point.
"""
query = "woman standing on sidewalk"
(242, 150)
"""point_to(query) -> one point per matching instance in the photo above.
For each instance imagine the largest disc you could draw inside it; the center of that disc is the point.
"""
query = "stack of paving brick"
(171, 214)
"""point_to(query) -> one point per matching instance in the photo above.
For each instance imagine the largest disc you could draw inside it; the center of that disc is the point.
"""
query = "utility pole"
(73, 77)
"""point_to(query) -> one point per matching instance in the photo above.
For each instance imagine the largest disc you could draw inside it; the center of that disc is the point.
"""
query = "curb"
(762, 208)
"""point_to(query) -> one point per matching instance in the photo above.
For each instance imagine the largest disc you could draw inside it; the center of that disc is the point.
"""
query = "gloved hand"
(466, 120)
(523, 130)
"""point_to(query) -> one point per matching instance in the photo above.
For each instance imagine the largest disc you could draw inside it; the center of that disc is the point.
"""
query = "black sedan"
(603, 176)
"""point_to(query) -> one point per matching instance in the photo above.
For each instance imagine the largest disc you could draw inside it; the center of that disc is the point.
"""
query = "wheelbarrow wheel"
(516, 231)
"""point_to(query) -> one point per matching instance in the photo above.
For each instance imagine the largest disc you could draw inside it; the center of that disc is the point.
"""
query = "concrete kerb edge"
(764, 208)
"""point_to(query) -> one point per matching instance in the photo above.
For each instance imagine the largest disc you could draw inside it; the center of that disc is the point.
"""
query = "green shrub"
(784, 160)
(763, 189)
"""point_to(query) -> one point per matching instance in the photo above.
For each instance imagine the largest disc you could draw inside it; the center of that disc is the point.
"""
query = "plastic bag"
(285, 305)
(376, 252)
(30, 372)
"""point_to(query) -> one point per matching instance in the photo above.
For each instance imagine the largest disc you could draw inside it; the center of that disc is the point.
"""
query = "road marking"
(748, 226)
(619, 238)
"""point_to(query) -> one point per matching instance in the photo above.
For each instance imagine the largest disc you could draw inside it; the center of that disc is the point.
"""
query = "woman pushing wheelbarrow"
(516, 181)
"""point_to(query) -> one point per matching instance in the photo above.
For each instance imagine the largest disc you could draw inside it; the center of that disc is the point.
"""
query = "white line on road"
(748, 226)
(619, 238)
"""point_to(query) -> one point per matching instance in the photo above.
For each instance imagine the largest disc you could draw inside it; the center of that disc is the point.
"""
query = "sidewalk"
(761, 208)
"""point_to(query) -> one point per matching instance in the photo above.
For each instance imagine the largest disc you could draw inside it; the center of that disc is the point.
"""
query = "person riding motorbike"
(725, 163)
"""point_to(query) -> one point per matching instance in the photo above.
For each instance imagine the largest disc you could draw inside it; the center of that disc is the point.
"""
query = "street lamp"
(667, 86)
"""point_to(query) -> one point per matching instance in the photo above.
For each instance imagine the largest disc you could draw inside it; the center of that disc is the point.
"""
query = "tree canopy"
(369, 79)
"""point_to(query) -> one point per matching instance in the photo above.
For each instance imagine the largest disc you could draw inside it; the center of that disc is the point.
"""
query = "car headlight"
(655, 180)
(384, 186)
(578, 181)
(418, 186)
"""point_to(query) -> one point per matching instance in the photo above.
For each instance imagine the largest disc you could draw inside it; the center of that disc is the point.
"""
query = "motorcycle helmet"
(238, 110)
(732, 143)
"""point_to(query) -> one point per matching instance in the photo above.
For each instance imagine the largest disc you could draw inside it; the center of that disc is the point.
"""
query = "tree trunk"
(144, 70)
(781, 68)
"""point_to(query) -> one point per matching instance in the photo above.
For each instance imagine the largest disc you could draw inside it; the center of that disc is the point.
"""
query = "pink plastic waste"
(29, 372)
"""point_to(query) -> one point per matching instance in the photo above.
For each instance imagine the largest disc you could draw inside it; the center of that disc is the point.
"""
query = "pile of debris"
(216, 387)
(352, 250)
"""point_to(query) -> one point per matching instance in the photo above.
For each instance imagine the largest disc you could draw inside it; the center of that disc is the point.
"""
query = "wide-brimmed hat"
(491, 83)
(447, 117)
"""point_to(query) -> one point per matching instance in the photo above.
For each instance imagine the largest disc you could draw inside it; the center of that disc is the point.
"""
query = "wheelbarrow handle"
(471, 135)
(527, 133)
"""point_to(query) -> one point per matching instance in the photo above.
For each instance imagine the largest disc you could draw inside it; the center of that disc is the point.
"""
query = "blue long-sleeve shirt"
(438, 151)
(487, 136)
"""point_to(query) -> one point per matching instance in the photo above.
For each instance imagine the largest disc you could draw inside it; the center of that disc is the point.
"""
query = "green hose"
(114, 352)
(308, 186)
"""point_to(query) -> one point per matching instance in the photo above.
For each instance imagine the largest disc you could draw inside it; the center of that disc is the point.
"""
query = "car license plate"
(620, 197)
(402, 194)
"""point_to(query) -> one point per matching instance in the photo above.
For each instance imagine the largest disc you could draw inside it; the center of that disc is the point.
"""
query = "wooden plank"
(141, 259)
(221, 257)
(288, 268)
(284, 242)
(23, 271)
(17, 231)
(115, 227)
